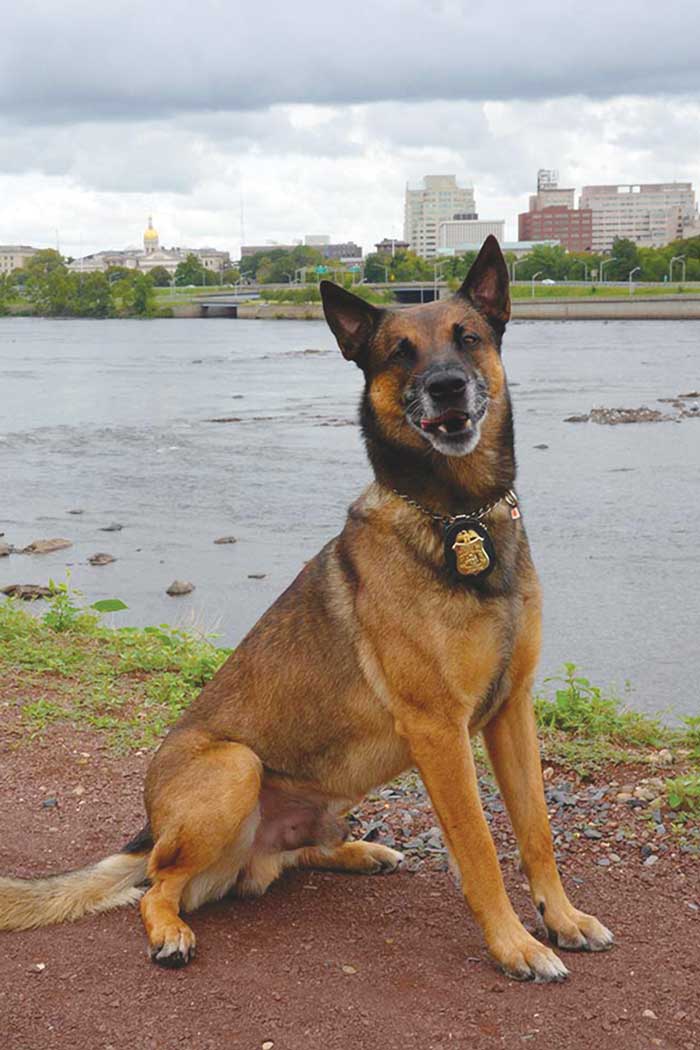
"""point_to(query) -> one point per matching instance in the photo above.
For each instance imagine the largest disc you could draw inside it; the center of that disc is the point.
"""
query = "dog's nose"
(446, 384)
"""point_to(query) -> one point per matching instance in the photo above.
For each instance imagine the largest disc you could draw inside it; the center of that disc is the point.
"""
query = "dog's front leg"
(511, 741)
(443, 754)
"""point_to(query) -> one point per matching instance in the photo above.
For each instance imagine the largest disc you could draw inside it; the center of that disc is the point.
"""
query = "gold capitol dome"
(150, 236)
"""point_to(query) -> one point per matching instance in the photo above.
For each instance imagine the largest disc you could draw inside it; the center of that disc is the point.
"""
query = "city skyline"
(463, 195)
(113, 125)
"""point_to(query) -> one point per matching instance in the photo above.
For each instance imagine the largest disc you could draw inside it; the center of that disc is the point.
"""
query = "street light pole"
(532, 282)
(681, 260)
(630, 275)
(516, 262)
(436, 270)
(603, 264)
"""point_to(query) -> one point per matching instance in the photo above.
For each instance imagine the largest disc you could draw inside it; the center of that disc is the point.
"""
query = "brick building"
(572, 227)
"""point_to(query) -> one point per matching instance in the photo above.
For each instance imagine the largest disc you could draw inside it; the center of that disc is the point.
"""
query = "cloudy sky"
(310, 117)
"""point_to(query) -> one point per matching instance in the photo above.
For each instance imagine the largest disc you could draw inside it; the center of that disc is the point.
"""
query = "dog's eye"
(464, 338)
(404, 351)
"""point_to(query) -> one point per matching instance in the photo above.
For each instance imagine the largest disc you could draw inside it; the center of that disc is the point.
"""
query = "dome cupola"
(150, 237)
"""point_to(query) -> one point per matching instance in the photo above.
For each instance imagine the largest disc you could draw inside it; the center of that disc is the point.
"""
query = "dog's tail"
(111, 883)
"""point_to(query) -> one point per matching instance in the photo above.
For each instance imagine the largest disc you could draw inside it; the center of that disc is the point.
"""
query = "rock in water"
(28, 592)
(101, 559)
(46, 546)
(113, 527)
(6, 549)
(226, 539)
(178, 587)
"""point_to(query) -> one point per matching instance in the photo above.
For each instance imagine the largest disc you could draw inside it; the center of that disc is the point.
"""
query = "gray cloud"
(80, 60)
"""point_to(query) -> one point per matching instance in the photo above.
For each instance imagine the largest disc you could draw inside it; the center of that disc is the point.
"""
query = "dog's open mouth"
(452, 422)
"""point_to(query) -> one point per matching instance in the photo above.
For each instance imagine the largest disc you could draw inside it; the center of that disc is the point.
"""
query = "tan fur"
(371, 662)
(113, 882)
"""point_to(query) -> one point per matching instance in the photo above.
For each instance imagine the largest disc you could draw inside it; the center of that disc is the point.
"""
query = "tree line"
(47, 285)
(307, 265)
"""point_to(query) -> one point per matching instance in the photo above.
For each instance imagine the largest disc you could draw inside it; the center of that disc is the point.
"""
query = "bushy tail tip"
(111, 883)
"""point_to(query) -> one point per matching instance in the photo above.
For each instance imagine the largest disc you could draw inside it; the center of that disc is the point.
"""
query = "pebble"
(49, 803)
(267, 1045)
(114, 526)
(226, 539)
(649, 1013)
(257, 575)
(349, 970)
(37, 967)
(178, 587)
(591, 833)
(651, 860)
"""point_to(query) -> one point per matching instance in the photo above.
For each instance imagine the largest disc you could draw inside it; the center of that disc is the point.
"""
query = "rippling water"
(114, 418)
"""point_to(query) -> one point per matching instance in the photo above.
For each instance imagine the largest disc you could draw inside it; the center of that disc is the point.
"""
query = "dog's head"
(433, 373)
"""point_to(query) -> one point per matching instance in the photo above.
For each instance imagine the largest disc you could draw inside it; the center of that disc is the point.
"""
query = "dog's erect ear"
(352, 320)
(486, 284)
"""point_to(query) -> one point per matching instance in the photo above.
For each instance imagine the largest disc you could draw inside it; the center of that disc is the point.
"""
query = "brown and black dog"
(378, 657)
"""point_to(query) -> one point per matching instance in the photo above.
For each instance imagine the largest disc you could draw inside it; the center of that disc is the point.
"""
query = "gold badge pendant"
(471, 553)
(469, 550)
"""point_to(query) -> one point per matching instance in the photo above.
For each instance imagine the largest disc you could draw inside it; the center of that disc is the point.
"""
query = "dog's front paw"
(523, 958)
(575, 931)
(174, 947)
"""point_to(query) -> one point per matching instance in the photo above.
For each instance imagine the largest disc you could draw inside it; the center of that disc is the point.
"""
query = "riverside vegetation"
(131, 684)
(46, 287)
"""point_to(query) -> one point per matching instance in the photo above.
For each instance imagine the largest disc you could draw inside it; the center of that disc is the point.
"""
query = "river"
(113, 418)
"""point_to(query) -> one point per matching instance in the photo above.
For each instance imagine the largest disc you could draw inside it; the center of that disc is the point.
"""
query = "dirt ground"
(327, 961)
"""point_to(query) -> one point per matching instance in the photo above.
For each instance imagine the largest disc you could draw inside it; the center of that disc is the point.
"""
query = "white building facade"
(651, 215)
(438, 199)
(14, 257)
(455, 232)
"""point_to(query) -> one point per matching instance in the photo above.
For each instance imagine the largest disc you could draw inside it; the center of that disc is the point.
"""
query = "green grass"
(564, 290)
(683, 796)
(585, 727)
(131, 683)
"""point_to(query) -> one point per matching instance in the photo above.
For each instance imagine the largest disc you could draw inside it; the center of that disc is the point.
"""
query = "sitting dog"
(416, 627)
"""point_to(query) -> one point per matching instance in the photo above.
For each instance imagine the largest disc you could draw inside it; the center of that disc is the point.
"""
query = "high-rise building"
(651, 214)
(438, 199)
(552, 216)
(549, 193)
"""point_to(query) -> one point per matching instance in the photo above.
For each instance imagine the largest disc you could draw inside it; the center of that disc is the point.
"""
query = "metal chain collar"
(446, 519)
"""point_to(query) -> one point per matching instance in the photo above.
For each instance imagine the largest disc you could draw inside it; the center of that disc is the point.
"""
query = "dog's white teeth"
(443, 429)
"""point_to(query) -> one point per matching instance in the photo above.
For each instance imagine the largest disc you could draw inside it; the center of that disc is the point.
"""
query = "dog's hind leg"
(359, 858)
(202, 797)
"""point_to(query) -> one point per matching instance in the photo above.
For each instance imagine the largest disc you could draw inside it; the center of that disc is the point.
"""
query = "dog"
(416, 627)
